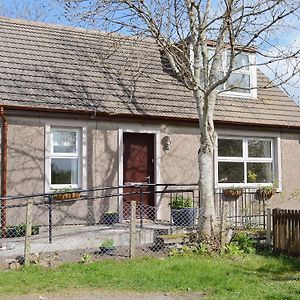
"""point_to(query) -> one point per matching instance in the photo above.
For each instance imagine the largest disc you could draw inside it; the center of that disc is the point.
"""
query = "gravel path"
(100, 295)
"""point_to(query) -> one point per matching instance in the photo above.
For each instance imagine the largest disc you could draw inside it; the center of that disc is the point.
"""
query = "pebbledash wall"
(27, 138)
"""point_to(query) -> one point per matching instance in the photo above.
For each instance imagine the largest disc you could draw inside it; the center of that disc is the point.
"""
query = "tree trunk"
(206, 162)
(206, 179)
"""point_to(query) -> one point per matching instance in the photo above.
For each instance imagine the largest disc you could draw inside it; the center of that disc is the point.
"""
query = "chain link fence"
(97, 221)
(118, 221)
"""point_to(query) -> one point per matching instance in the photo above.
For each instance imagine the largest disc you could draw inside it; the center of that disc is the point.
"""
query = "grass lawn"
(238, 277)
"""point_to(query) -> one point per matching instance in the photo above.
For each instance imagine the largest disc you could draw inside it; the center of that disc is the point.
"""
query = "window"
(243, 77)
(65, 157)
(239, 80)
(245, 161)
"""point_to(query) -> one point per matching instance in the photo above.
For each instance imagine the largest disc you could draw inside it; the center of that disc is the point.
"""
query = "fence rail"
(286, 231)
(86, 219)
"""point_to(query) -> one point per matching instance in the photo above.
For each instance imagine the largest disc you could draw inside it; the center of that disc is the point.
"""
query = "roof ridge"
(46, 25)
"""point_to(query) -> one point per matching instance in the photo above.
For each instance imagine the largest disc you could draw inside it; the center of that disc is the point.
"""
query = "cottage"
(84, 108)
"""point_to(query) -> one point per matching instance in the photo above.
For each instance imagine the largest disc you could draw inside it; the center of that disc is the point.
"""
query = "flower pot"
(183, 216)
(107, 250)
(232, 193)
(265, 194)
(67, 196)
(110, 218)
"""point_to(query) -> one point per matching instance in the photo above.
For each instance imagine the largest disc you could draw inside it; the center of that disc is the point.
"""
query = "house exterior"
(88, 109)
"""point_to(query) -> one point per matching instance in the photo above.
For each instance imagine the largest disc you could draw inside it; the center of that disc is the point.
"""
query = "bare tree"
(195, 35)
(36, 10)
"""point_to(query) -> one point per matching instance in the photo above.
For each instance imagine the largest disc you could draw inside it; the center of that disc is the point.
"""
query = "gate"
(286, 231)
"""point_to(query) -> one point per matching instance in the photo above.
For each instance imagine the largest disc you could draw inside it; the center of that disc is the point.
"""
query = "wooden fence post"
(132, 246)
(269, 237)
(27, 247)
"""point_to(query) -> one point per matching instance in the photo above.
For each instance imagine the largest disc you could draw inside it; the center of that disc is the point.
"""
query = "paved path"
(100, 295)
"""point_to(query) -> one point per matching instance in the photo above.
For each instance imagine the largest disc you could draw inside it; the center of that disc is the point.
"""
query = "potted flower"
(266, 192)
(110, 218)
(233, 192)
(182, 211)
(107, 247)
(251, 176)
(66, 194)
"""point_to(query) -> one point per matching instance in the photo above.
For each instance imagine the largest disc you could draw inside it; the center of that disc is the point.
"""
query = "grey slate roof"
(51, 66)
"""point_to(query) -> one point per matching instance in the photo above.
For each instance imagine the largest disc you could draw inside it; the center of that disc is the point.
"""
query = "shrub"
(180, 202)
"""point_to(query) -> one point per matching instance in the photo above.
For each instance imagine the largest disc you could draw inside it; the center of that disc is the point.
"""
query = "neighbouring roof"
(51, 66)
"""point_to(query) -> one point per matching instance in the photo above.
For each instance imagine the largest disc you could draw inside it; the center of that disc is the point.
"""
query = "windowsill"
(249, 187)
(238, 95)
(60, 187)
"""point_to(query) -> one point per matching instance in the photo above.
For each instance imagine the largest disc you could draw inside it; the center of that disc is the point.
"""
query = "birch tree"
(195, 35)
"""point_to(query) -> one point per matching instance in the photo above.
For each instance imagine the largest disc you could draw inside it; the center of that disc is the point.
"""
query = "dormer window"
(243, 80)
(239, 81)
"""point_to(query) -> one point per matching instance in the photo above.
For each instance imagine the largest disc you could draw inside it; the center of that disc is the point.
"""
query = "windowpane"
(64, 171)
(231, 172)
(259, 172)
(241, 61)
(230, 147)
(238, 83)
(64, 141)
(259, 148)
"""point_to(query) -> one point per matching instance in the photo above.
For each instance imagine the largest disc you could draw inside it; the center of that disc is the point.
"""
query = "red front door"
(138, 168)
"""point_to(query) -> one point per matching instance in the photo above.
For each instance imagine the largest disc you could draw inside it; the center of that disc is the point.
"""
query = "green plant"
(111, 213)
(86, 258)
(266, 191)
(108, 243)
(245, 242)
(180, 202)
(267, 188)
(19, 230)
(232, 249)
(251, 176)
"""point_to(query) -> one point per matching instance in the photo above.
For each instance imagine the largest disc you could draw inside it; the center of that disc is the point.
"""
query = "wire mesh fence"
(100, 222)
(92, 219)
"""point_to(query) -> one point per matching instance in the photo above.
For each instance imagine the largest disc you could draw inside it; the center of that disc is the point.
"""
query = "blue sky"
(51, 11)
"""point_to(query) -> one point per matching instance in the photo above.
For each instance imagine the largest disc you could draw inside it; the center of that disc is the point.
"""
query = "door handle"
(148, 179)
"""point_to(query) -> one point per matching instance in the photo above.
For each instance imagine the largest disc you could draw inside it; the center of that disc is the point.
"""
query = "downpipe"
(3, 171)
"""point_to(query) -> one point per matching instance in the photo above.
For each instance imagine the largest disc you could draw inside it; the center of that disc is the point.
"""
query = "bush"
(19, 230)
(242, 243)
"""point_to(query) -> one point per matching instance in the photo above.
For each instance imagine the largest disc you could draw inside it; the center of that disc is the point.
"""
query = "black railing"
(244, 208)
(69, 211)
(247, 209)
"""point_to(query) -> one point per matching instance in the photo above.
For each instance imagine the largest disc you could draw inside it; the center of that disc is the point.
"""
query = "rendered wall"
(180, 163)
(26, 157)
(289, 198)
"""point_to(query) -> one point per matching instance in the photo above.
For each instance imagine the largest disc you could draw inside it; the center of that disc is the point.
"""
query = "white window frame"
(76, 155)
(81, 153)
(245, 136)
(252, 72)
